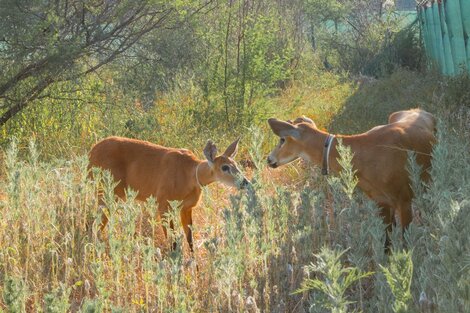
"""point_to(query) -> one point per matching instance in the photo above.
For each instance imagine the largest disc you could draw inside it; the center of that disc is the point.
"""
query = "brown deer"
(167, 174)
(380, 155)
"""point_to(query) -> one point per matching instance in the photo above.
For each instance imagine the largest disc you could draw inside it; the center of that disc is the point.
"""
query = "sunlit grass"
(251, 247)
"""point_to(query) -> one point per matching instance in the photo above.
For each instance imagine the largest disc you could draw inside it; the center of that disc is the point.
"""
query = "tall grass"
(254, 249)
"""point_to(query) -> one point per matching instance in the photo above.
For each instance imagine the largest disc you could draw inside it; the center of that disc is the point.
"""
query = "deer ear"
(232, 150)
(304, 119)
(210, 152)
(308, 120)
(284, 129)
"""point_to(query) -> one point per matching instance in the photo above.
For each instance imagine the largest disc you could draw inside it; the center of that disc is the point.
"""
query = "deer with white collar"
(380, 155)
(167, 174)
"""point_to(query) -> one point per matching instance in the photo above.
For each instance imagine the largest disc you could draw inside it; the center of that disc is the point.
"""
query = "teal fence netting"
(445, 27)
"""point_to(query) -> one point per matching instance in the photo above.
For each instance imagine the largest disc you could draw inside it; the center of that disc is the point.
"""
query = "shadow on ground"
(374, 100)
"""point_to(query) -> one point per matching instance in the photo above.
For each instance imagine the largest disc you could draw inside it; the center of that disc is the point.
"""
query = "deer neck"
(204, 174)
(314, 148)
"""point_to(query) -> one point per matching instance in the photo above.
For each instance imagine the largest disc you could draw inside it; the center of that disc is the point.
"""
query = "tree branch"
(35, 92)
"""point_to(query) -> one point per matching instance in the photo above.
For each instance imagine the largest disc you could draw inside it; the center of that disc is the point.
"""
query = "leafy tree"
(45, 42)
(247, 54)
(361, 36)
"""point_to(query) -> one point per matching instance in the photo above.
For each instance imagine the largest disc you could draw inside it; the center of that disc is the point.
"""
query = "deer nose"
(244, 183)
(272, 163)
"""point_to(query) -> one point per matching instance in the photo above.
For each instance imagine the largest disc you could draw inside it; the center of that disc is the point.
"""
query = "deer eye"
(225, 168)
(282, 140)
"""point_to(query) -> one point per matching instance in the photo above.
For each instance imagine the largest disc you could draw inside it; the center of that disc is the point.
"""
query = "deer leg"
(387, 214)
(187, 222)
(118, 192)
(104, 220)
(165, 231)
(172, 227)
(163, 207)
(104, 215)
(389, 220)
(405, 214)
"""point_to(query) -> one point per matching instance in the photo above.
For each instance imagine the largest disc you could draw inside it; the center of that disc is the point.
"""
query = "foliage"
(347, 174)
(218, 69)
(334, 280)
(399, 276)
(14, 294)
(251, 247)
(363, 37)
(244, 58)
(43, 43)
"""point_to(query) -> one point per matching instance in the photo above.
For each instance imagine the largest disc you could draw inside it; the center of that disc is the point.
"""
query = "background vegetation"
(178, 73)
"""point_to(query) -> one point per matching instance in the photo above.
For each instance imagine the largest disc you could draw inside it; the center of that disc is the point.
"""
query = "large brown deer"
(167, 174)
(380, 155)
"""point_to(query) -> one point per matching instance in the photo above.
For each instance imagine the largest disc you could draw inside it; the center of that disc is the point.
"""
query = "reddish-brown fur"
(380, 155)
(167, 174)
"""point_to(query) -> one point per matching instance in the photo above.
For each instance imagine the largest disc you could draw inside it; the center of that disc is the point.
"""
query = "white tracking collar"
(326, 153)
(197, 177)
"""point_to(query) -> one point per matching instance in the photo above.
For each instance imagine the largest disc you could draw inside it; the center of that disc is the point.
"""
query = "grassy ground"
(253, 249)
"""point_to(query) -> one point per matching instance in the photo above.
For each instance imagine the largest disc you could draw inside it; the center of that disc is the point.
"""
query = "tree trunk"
(23, 103)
